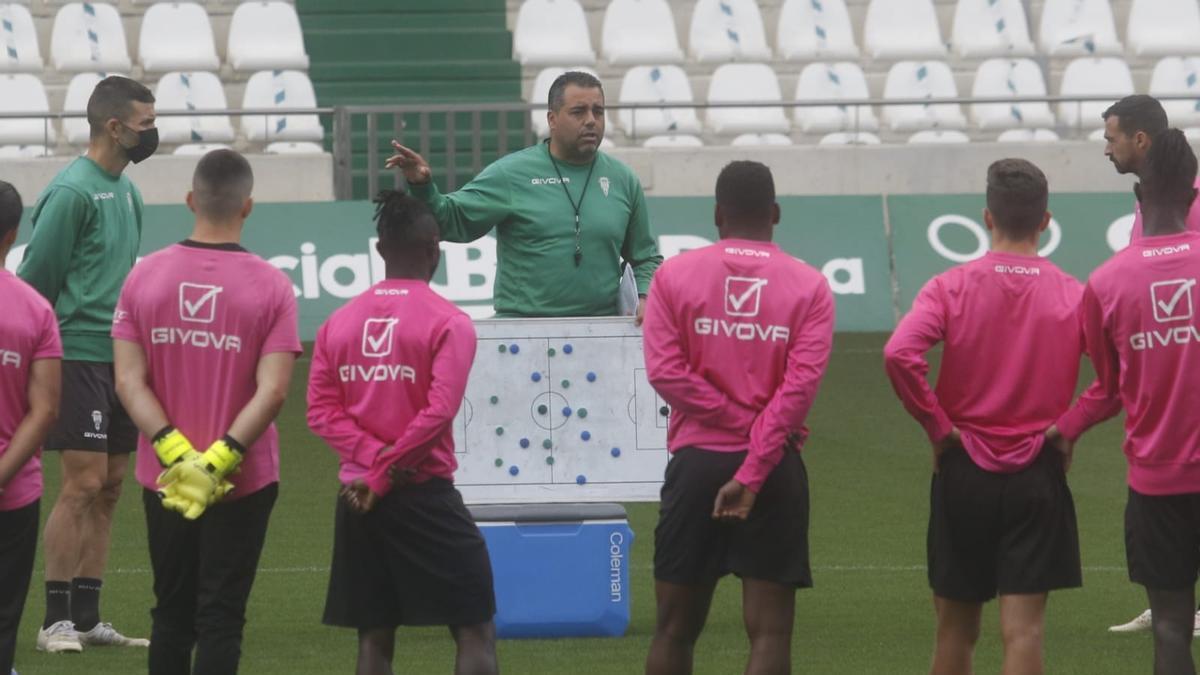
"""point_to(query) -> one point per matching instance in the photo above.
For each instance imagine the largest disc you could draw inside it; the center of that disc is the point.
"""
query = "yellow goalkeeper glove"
(172, 446)
(191, 486)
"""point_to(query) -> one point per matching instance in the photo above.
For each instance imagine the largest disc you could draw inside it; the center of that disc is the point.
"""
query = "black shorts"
(90, 416)
(691, 548)
(416, 559)
(1005, 533)
(1162, 540)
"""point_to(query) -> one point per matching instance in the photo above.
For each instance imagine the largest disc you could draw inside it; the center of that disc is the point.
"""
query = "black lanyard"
(587, 181)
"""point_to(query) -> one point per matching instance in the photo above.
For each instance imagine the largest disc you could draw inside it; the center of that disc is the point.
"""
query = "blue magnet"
(587, 435)
(615, 452)
(567, 349)
(513, 349)
(566, 412)
(524, 442)
(580, 479)
(513, 470)
(591, 377)
(536, 377)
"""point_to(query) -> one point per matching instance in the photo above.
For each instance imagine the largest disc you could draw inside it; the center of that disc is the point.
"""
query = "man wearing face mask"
(87, 227)
(566, 215)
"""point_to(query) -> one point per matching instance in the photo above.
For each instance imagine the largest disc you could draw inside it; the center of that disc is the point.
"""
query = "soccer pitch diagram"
(560, 410)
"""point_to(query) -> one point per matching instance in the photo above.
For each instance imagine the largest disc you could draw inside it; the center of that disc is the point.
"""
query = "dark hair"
(1168, 176)
(746, 189)
(10, 208)
(221, 184)
(401, 219)
(1138, 113)
(575, 77)
(1017, 196)
(113, 97)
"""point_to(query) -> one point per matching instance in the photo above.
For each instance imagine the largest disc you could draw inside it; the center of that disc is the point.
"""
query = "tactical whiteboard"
(560, 410)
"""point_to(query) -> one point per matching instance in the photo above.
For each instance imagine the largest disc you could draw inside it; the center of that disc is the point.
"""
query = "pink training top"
(389, 370)
(1193, 217)
(1139, 320)
(737, 336)
(205, 314)
(1011, 358)
(28, 332)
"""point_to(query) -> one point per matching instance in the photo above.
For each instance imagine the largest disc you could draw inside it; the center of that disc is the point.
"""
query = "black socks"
(85, 603)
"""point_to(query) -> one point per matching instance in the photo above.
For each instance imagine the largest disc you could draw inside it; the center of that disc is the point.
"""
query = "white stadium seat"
(302, 148)
(1077, 28)
(281, 89)
(640, 31)
(1097, 135)
(922, 79)
(845, 138)
(727, 30)
(192, 91)
(196, 149)
(1108, 77)
(761, 139)
(1010, 78)
(734, 82)
(654, 84)
(833, 81)
(78, 92)
(23, 92)
(552, 32)
(24, 151)
(18, 41)
(1178, 75)
(938, 136)
(266, 36)
(177, 36)
(1027, 136)
(1192, 133)
(540, 94)
(902, 29)
(89, 36)
(673, 141)
(990, 28)
(1163, 27)
(815, 30)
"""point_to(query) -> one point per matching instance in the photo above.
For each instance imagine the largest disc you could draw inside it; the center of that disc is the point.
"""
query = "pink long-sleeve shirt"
(389, 371)
(1010, 362)
(737, 336)
(1193, 218)
(1141, 329)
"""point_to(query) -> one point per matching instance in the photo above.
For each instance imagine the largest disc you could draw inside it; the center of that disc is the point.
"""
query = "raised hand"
(414, 167)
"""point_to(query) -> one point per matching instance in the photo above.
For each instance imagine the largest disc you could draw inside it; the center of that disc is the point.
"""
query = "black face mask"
(146, 145)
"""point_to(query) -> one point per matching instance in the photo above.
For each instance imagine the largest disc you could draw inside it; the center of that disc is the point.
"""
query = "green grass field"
(869, 612)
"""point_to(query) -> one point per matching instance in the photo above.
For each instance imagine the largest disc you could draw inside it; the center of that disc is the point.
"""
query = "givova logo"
(1171, 303)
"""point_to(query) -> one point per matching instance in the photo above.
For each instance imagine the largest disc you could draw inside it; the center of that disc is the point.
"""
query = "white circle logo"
(1119, 232)
(981, 237)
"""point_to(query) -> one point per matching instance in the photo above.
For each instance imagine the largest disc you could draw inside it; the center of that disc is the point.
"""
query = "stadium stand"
(815, 30)
(997, 78)
(551, 32)
(922, 79)
(844, 138)
(19, 38)
(1107, 76)
(736, 82)
(727, 30)
(655, 84)
(761, 139)
(22, 92)
(281, 89)
(89, 36)
(1027, 136)
(673, 141)
(192, 91)
(78, 91)
(1163, 27)
(1077, 28)
(902, 29)
(639, 32)
(266, 36)
(177, 36)
(1178, 75)
(939, 136)
(990, 28)
(833, 81)
(24, 151)
(293, 148)
(196, 149)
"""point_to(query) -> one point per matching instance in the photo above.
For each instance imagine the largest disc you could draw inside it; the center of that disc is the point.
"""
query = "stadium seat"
(902, 29)
(734, 82)
(1027, 136)
(727, 30)
(552, 32)
(89, 36)
(24, 151)
(23, 92)
(640, 31)
(192, 91)
(1192, 133)
(938, 136)
(177, 36)
(810, 30)
(1092, 77)
(922, 79)
(833, 81)
(1010, 78)
(990, 28)
(673, 141)
(285, 148)
(1178, 75)
(761, 139)
(265, 36)
(1163, 27)
(653, 84)
(78, 92)
(846, 138)
(540, 92)
(199, 148)
(1077, 28)
(18, 36)
(1097, 135)
(281, 89)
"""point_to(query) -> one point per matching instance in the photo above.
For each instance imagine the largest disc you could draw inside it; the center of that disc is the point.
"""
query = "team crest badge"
(604, 185)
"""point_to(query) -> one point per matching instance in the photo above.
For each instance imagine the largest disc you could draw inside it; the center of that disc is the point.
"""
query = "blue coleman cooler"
(560, 570)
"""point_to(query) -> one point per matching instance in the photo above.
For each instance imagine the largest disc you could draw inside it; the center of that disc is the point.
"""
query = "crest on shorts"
(604, 184)
(97, 419)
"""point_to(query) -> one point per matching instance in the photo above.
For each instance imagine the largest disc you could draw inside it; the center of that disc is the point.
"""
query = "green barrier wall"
(327, 248)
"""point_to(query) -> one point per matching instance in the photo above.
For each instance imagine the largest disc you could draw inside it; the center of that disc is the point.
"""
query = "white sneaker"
(104, 635)
(58, 638)
(1140, 623)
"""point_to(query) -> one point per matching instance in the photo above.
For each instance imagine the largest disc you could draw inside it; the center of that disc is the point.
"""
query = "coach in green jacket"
(565, 214)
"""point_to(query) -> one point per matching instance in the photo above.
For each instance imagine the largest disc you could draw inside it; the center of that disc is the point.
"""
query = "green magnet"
(499, 462)
(550, 461)
(582, 413)
(551, 351)
(542, 410)
(499, 431)
(547, 444)
(502, 349)
(566, 384)
(494, 400)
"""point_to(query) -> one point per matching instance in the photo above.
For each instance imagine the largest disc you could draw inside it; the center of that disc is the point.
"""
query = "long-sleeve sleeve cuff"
(378, 481)
(938, 425)
(368, 449)
(1073, 423)
(753, 472)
